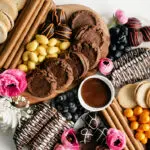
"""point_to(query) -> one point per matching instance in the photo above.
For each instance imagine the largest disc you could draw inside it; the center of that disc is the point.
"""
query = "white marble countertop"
(137, 8)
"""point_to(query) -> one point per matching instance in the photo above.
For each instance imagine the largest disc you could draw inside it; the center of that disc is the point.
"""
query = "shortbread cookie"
(5, 20)
(141, 94)
(126, 96)
(9, 7)
(3, 32)
(148, 98)
(20, 3)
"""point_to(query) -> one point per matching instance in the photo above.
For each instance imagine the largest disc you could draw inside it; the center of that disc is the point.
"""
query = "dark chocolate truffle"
(134, 23)
(84, 135)
(41, 83)
(92, 54)
(47, 30)
(61, 70)
(100, 135)
(58, 16)
(63, 32)
(82, 18)
(146, 33)
(92, 120)
(135, 38)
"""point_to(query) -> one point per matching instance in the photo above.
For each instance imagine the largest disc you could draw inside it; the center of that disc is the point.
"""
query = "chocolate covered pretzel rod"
(30, 128)
(41, 16)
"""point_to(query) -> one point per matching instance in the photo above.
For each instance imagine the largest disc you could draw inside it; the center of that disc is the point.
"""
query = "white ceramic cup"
(107, 82)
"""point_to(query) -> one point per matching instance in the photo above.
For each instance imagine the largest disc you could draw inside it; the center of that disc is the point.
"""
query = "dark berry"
(113, 47)
(73, 110)
(61, 98)
(66, 109)
(75, 91)
(72, 105)
(127, 49)
(124, 30)
(59, 107)
(75, 117)
(111, 57)
(53, 103)
(114, 31)
(122, 40)
(67, 115)
(118, 54)
(121, 47)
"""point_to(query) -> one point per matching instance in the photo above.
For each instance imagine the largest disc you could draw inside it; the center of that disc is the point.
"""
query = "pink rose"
(12, 82)
(59, 147)
(115, 139)
(121, 17)
(105, 66)
(69, 140)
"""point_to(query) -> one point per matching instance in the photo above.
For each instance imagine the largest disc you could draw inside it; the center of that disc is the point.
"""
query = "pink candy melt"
(112, 136)
(105, 66)
(12, 82)
(121, 17)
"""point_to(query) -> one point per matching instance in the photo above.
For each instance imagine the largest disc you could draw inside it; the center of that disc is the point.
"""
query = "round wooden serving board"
(69, 9)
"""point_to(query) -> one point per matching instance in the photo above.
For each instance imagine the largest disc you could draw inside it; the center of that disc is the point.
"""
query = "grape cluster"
(119, 41)
(69, 105)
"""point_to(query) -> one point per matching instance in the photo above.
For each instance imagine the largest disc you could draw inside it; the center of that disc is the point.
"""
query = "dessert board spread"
(52, 55)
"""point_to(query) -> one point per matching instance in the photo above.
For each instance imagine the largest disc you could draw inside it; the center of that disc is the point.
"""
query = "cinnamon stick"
(31, 32)
(110, 122)
(15, 49)
(126, 127)
(119, 126)
(18, 31)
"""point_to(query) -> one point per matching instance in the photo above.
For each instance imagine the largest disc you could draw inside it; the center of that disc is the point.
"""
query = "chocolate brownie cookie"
(92, 54)
(61, 70)
(41, 83)
(82, 18)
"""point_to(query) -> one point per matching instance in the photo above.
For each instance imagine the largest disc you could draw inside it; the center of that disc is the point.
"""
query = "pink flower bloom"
(121, 17)
(12, 82)
(59, 147)
(105, 66)
(69, 140)
(115, 139)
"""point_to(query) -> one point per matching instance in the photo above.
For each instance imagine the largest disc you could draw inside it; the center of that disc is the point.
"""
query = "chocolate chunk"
(63, 32)
(92, 120)
(134, 23)
(47, 30)
(135, 38)
(146, 33)
(84, 135)
(58, 16)
(41, 83)
(92, 54)
(90, 34)
(61, 70)
(82, 18)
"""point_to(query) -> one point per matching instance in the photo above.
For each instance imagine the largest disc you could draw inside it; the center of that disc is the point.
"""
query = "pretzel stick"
(118, 125)
(119, 107)
(16, 23)
(31, 33)
(15, 49)
(110, 122)
(126, 127)
(18, 31)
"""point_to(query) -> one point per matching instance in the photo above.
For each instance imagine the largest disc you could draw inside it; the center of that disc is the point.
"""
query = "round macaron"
(146, 33)
(134, 23)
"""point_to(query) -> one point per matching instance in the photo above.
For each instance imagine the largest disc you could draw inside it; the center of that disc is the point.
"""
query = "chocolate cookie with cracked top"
(93, 54)
(79, 64)
(90, 34)
(61, 70)
(41, 83)
(82, 18)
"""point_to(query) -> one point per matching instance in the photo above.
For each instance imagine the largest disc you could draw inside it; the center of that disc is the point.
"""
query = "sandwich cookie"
(9, 7)
(3, 32)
